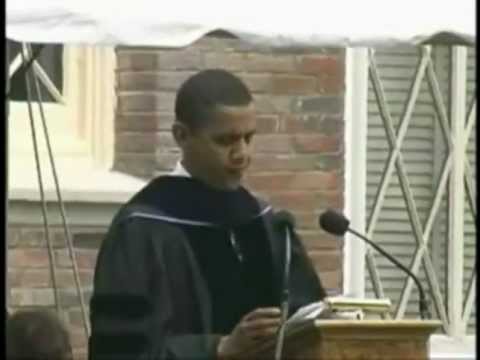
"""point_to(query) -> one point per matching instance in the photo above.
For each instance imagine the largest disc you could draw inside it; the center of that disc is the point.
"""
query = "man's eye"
(224, 140)
(231, 140)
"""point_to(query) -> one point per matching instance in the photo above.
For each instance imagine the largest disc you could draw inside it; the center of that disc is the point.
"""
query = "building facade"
(109, 113)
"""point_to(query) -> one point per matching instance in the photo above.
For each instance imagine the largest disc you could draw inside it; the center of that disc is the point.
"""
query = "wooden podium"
(354, 340)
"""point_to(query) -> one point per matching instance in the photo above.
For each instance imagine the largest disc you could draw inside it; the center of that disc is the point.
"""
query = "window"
(48, 68)
(77, 90)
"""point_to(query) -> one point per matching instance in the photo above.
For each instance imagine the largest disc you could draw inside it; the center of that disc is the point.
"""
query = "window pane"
(50, 60)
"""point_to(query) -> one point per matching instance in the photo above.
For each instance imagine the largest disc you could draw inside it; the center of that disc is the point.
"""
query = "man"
(191, 266)
(37, 335)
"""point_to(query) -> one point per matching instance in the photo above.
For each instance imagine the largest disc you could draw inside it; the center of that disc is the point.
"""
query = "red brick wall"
(299, 149)
(29, 276)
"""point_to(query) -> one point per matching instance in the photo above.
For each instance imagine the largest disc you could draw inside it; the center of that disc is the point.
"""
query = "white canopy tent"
(302, 23)
(298, 24)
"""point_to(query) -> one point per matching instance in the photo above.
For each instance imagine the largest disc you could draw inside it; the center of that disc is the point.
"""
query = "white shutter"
(393, 230)
(424, 152)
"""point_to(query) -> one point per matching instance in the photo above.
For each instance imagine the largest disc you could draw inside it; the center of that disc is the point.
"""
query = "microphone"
(284, 221)
(337, 224)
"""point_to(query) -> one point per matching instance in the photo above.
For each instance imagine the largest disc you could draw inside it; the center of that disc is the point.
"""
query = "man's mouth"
(237, 169)
(237, 172)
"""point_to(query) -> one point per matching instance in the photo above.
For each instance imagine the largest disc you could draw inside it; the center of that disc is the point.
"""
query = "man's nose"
(241, 151)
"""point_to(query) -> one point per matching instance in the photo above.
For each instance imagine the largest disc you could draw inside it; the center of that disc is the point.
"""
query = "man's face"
(220, 153)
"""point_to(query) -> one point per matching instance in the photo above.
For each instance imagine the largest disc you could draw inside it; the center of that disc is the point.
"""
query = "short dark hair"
(37, 335)
(199, 96)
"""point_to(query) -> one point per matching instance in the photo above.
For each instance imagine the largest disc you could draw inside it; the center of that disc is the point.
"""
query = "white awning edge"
(180, 39)
(304, 24)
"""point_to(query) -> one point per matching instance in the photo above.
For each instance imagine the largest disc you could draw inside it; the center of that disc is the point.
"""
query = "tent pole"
(6, 178)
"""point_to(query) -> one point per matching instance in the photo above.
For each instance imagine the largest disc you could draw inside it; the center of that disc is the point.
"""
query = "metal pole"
(46, 224)
(68, 236)
(5, 151)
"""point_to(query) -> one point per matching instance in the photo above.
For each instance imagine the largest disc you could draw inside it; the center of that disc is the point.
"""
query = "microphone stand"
(285, 296)
(423, 306)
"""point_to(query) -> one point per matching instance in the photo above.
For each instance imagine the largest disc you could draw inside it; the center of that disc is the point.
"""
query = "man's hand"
(256, 326)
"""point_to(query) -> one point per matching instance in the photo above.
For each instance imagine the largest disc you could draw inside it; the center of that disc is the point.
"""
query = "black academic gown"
(156, 293)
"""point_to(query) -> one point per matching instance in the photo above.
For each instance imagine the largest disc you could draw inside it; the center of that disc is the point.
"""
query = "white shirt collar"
(180, 171)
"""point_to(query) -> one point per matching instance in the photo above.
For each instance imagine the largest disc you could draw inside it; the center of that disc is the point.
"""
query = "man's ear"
(180, 133)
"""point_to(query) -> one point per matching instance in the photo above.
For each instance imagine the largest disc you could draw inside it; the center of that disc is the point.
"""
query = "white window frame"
(87, 103)
(83, 147)
(455, 344)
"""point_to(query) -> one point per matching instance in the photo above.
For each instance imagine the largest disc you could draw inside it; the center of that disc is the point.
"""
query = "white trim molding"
(96, 109)
(456, 241)
(356, 101)
(447, 348)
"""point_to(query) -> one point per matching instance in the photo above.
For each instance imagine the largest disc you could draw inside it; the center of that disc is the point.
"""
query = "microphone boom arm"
(423, 301)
